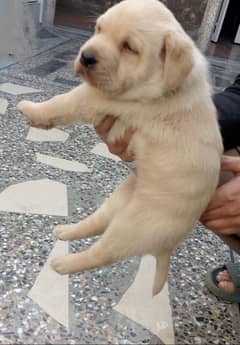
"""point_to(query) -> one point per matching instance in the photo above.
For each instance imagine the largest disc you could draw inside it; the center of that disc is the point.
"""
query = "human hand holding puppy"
(120, 146)
(222, 215)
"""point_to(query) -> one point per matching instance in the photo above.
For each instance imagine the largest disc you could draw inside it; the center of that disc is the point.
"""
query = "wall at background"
(189, 13)
(10, 32)
(98, 4)
(19, 20)
(198, 17)
(208, 23)
(17, 28)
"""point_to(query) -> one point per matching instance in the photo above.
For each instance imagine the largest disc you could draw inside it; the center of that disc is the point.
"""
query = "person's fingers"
(211, 214)
(120, 146)
(219, 198)
(225, 231)
(121, 150)
(230, 163)
(225, 193)
(127, 135)
(117, 147)
(225, 224)
(105, 125)
(229, 209)
(127, 156)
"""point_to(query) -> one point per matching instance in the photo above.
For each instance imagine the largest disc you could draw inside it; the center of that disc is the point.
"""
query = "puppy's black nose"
(88, 59)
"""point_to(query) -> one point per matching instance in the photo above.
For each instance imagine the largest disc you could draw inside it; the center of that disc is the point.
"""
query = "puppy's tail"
(162, 265)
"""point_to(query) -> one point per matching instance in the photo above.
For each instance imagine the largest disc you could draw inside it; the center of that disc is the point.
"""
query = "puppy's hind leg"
(95, 224)
(104, 252)
(118, 242)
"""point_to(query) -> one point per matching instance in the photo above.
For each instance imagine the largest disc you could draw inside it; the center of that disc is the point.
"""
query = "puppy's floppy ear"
(177, 56)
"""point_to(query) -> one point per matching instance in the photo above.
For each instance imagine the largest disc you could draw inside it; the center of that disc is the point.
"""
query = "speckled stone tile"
(44, 33)
(26, 239)
(47, 68)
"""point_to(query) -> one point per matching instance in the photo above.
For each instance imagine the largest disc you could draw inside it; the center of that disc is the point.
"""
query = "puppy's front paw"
(32, 114)
(27, 108)
(24, 106)
(61, 265)
(61, 232)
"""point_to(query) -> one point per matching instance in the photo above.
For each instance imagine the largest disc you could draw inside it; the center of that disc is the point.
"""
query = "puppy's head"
(138, 50)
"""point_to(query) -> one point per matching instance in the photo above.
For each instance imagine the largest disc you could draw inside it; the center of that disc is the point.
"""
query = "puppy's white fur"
(152, 77)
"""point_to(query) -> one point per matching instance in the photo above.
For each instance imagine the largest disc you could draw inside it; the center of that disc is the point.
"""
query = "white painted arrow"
(50, 290)
(154, 313)
(63, 164)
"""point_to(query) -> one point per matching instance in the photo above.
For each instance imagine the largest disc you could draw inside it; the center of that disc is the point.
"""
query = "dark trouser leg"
(228, 108)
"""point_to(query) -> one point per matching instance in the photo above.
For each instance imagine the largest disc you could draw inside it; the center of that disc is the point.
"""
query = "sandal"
(211, 282)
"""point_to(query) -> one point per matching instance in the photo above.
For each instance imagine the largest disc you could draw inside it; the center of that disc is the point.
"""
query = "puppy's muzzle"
(88, 60)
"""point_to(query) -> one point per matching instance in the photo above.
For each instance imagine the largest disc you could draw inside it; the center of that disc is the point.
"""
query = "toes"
(225, 282)
(226, 286)
(223, 276)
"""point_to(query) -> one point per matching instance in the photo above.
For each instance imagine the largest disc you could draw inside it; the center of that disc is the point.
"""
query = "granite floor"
(61, 176)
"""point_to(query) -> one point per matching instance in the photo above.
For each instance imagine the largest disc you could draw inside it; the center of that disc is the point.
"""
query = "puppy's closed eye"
(128, 47)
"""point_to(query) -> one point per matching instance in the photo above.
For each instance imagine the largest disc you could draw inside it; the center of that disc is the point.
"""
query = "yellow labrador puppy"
(142, 67)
